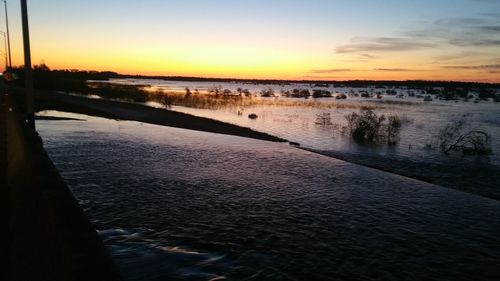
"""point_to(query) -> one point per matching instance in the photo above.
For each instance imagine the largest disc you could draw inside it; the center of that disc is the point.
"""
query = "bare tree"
(456, 137)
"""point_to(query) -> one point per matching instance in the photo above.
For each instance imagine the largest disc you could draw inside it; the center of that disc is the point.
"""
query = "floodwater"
(298, 124)
(174, 204)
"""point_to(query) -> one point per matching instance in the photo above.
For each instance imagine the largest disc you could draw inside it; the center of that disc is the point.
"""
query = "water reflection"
(298, 125)
(244, 209)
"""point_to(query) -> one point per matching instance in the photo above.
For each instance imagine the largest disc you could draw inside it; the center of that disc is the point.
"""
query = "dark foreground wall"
(47, 235)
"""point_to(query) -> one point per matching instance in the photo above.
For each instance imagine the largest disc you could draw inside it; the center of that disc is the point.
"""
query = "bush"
(322, 94)
(368, 127)
(456, 137)
(323, 119)
(267, 93)
(393, 128)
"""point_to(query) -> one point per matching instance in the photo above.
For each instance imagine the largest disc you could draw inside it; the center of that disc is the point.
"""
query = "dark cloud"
(492, 15)
(492, 28)
(480, 31)
(326, 71)
(378, 44)
(463, 31)
(475, 67)
(477, 42)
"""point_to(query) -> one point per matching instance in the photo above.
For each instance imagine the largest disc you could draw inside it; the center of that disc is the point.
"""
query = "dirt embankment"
(142, 113)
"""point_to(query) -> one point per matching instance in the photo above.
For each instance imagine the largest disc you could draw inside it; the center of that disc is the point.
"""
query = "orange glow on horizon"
(266, 39)
(248, 62)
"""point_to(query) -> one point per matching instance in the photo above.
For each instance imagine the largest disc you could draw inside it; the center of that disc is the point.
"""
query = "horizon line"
(207, 78)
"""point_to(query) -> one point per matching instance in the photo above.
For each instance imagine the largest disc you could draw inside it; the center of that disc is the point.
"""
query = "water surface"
(298, 124)
(175, 204)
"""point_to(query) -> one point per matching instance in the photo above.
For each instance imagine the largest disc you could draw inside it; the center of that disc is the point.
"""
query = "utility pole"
(28, 72)
(5, 41)
(7, 29)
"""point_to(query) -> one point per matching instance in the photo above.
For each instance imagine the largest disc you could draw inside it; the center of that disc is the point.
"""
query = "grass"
(223, 99)
(205, 101)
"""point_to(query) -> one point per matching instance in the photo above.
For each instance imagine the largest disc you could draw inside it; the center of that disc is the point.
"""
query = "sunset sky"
(283, 39)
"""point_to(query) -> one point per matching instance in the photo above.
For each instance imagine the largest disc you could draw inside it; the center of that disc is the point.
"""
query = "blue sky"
(309, 37)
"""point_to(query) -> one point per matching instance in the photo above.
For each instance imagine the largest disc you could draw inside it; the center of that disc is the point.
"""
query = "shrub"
(267, 93)
(188, 93)
(322, 94)
(393, 128)
(368, 127)
(456, 137)
(365, 127)
(323, 119)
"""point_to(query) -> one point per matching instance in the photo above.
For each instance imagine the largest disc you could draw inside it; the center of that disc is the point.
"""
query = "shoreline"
(142, 113)
(479, 180)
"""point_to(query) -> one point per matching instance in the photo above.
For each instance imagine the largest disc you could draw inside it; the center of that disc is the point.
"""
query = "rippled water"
(297, 124)
(174, 204)
(425, 120)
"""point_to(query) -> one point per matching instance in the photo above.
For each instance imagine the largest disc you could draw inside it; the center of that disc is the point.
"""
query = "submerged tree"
(456, 137)
(368, 127)
(393, 128)
(365, 126)
(324, 119)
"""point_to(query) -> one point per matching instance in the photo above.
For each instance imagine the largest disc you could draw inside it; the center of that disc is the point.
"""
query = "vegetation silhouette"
(370, 128)
(94, 83)
(44, 71)
(455, 136)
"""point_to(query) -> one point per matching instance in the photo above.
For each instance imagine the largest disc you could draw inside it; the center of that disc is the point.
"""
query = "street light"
(7, 29)
(5, 40)
(28, 71)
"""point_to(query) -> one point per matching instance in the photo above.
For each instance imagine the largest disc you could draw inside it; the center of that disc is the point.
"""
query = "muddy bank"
(142, 113)
(468, 175)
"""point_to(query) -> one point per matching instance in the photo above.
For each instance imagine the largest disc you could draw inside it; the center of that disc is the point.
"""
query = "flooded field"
(174, 204)
(298, 123)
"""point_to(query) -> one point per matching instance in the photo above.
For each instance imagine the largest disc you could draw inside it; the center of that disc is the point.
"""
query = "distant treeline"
(415, 84)
(45, 78)
(62, 80)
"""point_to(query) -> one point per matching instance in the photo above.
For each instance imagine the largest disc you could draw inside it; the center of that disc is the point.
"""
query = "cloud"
(326, 71)
(480, 31)
(320, 77)
(366, 57)
(361, 58)
(462, 32)
(464, 42)
(492, 15)
(474, 67)
(462, 21)
(459, 56)
(380, 44)
(492, 28)
(395, 69)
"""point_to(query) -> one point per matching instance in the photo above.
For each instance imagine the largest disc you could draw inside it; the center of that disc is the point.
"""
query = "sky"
(269, 39)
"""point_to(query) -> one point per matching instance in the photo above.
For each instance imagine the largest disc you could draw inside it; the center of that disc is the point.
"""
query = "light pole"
(7, 29)
(28, 72)
(5, 40)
